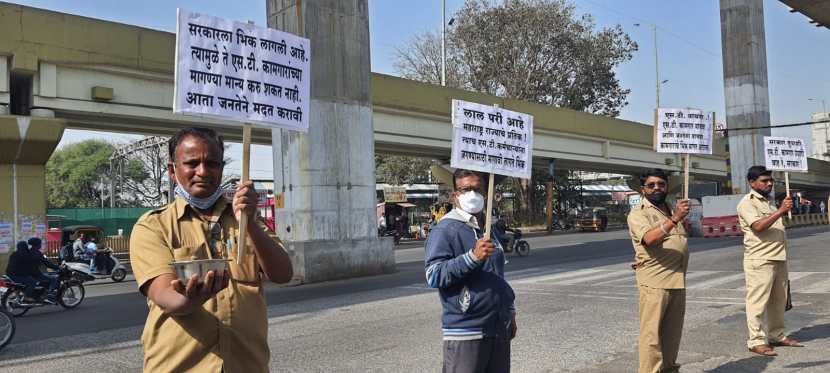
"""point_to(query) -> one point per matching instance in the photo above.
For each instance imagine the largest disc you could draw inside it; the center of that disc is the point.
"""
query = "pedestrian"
(382, 223)
(217, 323)
(765, 263)
(479, 318)
(822, 207)
(661, 256)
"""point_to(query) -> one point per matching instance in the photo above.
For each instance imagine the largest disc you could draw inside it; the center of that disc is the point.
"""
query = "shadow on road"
(811, 333)
(749, 365)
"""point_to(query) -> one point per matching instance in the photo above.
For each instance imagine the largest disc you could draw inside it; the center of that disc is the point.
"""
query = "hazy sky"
(688, 43)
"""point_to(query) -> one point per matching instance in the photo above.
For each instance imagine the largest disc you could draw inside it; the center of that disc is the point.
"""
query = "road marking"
(817, 287)
(557, 276)
(597, 276)
(708, 284)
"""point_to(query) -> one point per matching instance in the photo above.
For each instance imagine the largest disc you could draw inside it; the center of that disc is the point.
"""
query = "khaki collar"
(647, 204)
(754, 194)
(218, 208)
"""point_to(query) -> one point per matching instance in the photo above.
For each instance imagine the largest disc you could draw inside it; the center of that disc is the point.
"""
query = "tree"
(397, 170)
(533, 50)
(143, 179)
(74, 172)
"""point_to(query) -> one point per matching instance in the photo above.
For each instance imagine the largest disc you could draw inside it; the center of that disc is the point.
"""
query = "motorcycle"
(515, 243)
(396, 236)
(7, 324)
(114, 270)
(70, 292)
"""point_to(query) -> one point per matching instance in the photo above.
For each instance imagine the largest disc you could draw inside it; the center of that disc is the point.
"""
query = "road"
(577, 307)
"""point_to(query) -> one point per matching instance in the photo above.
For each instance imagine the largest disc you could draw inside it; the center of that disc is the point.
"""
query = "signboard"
(241, 72)
(394, 194)
(785, 154)
(490, 139)
(686, 131)
(279, 201)
(6, 237)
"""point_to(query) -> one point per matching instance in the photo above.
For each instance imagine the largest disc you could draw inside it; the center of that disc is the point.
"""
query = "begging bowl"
(187, 268)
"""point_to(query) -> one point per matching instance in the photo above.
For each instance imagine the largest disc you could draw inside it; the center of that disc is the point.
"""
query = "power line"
(727, 130)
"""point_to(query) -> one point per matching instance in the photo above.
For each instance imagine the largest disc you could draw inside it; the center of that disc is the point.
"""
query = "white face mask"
(471, 202)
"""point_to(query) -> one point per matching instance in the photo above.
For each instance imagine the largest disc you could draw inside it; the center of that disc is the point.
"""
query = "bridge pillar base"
(26, 143)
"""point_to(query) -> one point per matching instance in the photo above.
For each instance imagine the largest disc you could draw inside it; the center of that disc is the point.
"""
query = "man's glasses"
(767, 181)
(660, 185)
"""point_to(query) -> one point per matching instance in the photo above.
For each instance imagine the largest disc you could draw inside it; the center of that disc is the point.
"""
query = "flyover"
(100, 75)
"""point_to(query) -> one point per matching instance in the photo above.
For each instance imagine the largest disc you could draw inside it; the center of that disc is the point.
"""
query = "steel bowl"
(185, 269)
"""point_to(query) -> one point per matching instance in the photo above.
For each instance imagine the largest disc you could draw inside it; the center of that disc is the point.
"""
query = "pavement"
(577, 311)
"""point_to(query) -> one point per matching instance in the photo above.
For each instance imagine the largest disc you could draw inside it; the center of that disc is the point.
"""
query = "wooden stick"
(686, 177)
(787, 185)
(243, 219)
(488, 219)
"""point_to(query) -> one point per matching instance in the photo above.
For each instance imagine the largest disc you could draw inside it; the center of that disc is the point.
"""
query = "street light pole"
(656, 65)
(443, 42)
(657, 82)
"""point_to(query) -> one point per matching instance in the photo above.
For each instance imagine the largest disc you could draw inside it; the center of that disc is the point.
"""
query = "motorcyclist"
(24, 267)
(79, 247)
(500, 230)
(36, 250)
(18, 269)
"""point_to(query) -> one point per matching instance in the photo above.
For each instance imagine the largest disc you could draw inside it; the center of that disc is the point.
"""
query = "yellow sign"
(279, 201)
(394, 194)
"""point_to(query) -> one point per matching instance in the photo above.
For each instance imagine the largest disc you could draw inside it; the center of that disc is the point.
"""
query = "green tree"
(533, 50)
(74, 174)
(397, 169)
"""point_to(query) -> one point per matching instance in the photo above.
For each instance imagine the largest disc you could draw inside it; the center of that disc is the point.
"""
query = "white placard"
(785, 154)
(686, 131)
(6, 237)
(241, 72)
(490, 139)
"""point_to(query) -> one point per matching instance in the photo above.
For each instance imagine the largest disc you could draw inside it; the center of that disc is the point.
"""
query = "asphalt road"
(577, 312)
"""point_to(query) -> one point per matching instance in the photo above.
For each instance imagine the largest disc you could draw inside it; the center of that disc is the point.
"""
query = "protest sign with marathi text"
(241, 72)
(490, 139)
(785, 154)
(687, 131)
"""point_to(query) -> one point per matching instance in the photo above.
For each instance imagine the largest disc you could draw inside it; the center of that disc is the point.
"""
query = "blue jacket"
(476, 299)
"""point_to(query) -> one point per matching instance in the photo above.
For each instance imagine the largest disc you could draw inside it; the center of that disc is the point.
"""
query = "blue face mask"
(199, 203)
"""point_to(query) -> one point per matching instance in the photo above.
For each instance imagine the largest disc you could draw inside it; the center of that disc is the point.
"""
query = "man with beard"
(765, 263)
(479, 317)
(661, 259)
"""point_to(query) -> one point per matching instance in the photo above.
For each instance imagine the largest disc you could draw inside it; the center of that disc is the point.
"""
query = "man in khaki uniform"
(765, 263)
(661, 258)
(217, 323)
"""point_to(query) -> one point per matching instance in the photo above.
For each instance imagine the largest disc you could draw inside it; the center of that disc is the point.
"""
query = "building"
(821, 136)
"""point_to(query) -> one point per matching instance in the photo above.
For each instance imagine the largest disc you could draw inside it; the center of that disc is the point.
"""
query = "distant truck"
(720, 216)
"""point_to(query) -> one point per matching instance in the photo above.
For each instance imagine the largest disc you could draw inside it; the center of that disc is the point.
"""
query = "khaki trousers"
(661, 326)
(766, 297)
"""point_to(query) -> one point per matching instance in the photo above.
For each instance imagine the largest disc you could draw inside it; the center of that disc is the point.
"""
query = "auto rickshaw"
(593, 218)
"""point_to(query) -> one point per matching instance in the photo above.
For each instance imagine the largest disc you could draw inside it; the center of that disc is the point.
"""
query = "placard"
(687, 131)
(785, 154)
(490, 139)
(241, 72)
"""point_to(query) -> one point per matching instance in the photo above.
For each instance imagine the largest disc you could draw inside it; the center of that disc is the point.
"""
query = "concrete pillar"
(26, 143)
(745, 85)
(328, 175)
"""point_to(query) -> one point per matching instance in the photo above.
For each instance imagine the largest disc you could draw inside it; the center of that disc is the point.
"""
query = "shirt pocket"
(189, 252)
(248, 269)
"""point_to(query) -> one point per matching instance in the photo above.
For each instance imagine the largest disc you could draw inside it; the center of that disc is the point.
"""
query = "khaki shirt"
(230, 331)
(770, 244)
(664, 266)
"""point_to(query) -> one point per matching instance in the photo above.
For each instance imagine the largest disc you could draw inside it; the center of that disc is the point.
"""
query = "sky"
(689, 51)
